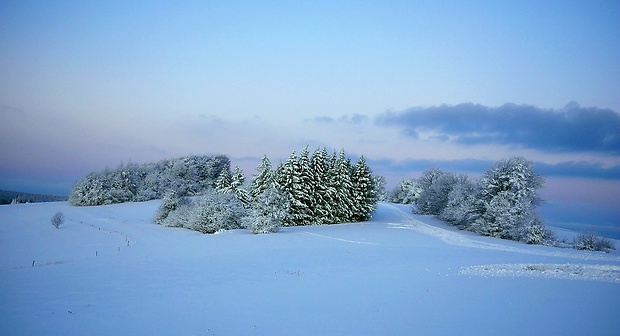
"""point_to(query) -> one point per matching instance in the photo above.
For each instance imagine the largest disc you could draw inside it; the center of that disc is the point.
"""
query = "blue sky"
(409, 84)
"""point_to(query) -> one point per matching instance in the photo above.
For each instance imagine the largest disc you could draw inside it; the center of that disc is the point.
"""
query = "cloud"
(567, 169)
(580, 169)
(567, 130)
(323, 119)
(355, 119)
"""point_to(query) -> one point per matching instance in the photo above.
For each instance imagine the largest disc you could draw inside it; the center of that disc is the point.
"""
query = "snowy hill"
(108, 270)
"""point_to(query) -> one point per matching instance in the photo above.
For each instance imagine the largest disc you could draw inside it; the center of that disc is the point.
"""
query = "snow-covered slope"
(109, 271)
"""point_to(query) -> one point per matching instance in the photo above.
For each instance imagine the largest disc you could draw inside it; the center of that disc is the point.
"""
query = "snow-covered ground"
(109, 271)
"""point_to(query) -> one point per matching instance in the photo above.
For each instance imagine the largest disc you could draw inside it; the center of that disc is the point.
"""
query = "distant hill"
(7, 197)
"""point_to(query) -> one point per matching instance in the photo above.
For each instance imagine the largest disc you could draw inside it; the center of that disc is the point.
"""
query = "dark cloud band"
(570, 129)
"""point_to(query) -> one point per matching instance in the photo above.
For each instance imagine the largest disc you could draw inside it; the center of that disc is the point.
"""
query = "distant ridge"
(8, 197)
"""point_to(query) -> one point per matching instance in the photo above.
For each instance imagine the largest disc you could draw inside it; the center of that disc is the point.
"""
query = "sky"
(410, 85)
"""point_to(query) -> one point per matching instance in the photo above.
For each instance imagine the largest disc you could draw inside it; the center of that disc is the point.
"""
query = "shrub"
(181, 217)
(269, 209)
(171, 202)
(534, 232)
(214, 211)
(58, 219)
(257, 223)
(592, 242)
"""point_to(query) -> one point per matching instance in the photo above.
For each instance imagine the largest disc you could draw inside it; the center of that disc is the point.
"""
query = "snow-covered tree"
(435, 187)
(461, 207)
(132, 182)
(533, 231)
(592, 242)
(182, 217)
(323, 193)
(215, 211)
(238, 178)
(340, 181)
(223, 183)
(263, 179)
(237, 186)
(93, 189)
(380, 192)
(57, 219)
(407, 192)
(170, 203)
(289, 179)
(268, 211)
(305, 190)
(363, 193)
(508, 195)
(319, 189)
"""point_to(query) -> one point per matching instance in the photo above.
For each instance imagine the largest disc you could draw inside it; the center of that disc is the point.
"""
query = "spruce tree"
(237, 186)
(223, 182)
(306, 189)
(322, 200)
(363, 193)
(340, 180)
(262, 180)
(288, 181)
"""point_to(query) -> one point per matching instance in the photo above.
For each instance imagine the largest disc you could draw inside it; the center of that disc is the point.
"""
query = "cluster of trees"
(185, 176)
(502, 203)
(320, 189)
(303, 190)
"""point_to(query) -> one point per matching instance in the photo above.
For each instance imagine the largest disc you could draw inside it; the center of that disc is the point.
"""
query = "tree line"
(502, 203)
(305, 189)
(186, 176)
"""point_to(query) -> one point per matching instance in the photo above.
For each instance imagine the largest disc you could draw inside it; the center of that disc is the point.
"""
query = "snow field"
(398, 274)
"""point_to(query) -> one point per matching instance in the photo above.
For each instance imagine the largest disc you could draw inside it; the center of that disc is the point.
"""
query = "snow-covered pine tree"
(340, 180)
(263, 179)
(363, 197)
(238, 178)
(306, 189)
(223, 182)
(237, 186)
(322, 196)
(287, 179)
